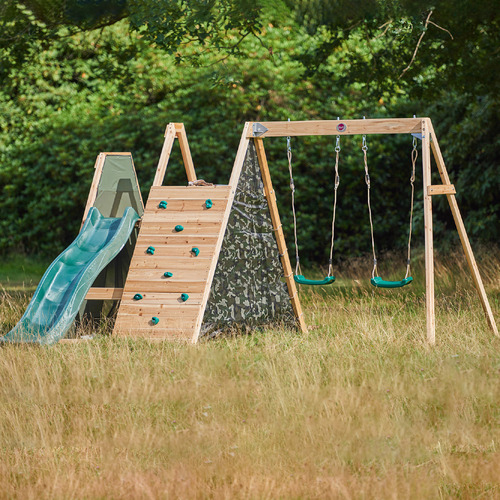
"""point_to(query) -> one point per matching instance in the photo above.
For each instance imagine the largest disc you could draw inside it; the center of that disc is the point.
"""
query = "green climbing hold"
(209, 203)
(167, 274)
(196, 251)
(184, 297)
(150, 250)
(155, 320)
(179, 228)
(137, 296)
(163, 204)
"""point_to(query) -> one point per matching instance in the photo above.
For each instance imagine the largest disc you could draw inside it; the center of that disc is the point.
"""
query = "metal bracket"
(259, 129)
(418, 136)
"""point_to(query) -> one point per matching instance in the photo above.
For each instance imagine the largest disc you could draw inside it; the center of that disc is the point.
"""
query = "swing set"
(376, 280)
(419, 128)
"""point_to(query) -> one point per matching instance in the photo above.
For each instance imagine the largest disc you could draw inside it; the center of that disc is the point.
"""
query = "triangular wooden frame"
(421, 126)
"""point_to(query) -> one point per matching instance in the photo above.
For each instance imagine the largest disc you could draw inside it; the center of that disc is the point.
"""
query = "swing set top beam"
(336, 127)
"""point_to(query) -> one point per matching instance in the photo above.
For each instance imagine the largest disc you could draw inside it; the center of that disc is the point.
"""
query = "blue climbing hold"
(184, 297)
(209, 203)
(179, 228)
(163, 204)
(137, 296)
(196, 251)
(167, 274)
(150, 250)
(155, 320)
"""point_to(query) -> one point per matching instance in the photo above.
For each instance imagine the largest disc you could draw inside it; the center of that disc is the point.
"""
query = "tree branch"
(418, 43)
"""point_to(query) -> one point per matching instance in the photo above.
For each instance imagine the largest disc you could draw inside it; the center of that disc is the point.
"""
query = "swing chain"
(414, 156)
(337, 182)
(292, 187)
(364, 147)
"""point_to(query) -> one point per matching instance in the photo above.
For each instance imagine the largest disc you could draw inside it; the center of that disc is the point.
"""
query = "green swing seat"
(299, 278)
(380, 283)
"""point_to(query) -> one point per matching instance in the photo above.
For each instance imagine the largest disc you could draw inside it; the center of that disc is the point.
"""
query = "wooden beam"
(278, 231)
(233, 182)
(429, 244)
(186, 152)
(104, 294)
(99, 163)
(339, 127)
(441, 189)
(469, 255)
(170, 135)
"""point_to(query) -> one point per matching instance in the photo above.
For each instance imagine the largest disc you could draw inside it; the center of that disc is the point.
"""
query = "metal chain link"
(336, 186)
(414, 156)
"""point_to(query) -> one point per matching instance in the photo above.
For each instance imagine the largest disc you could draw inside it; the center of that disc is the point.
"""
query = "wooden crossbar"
(338, 127)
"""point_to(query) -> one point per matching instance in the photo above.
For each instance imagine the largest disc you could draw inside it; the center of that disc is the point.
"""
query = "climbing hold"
(163, 204)
(179, 228)
(209, 203)
(155, 320)
(184, 297)
(150, 250)
(167, 274)
(196, 251)
(137, 296)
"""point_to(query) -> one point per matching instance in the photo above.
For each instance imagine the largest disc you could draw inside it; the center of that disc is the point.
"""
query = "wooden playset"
(190, 272)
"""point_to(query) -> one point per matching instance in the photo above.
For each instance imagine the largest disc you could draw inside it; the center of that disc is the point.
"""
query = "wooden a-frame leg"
(471, 261)
(278, 231)
(429, 244)
(185, 151)
(170, 135)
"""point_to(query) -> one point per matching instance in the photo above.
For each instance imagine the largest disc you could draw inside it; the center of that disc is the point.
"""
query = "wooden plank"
(99, 163)
(169, 263)
(206, 251)
(441, 189)
(190, 228)
(165, 155)
(339, 127)
(429, 245)
(179, 239)
(183, 206)
(104, 294)
(156, 275)
(278, 231)
(185, 151)
(201, 193)
(174, 312)
(164, 285)
(464, 239)
(160, 298)
(167, 217)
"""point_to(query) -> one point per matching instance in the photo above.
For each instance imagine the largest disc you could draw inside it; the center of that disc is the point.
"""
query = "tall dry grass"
(359, 407)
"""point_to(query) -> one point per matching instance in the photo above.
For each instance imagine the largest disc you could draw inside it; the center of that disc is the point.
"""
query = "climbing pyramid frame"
(209, 257)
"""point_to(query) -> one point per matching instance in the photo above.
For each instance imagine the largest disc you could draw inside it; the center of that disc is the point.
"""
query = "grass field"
(359, 407)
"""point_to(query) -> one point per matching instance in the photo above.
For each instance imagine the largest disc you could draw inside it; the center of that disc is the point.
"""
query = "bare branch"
(441, 28)
(418, 43)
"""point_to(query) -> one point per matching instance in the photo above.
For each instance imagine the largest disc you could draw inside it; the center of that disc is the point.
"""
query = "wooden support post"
(170, 134)
(471, 261)
(99, 163)
(186, 152)
(429, 245)
(278, 231)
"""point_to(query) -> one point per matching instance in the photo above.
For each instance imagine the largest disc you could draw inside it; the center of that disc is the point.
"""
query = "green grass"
(359, 407)
(21, 273)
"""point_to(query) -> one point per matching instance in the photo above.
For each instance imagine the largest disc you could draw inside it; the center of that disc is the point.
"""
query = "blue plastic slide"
(66, 282)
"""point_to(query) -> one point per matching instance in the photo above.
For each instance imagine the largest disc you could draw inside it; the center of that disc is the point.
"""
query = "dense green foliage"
(112, 90)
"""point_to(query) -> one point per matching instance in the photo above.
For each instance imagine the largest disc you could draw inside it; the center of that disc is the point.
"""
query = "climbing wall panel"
(164, 247)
